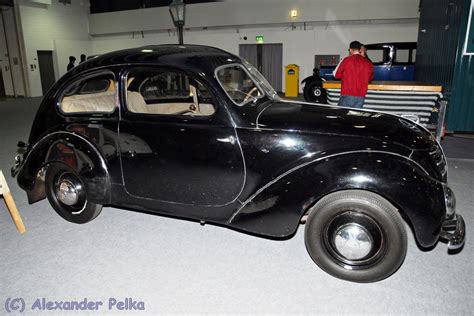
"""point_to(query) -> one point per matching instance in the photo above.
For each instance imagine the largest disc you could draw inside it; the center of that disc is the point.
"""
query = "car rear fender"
(310, 78)
(276, 209)
(74, 150)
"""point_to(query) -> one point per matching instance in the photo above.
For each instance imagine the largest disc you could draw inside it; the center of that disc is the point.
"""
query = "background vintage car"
(392, 62)
(196, 132)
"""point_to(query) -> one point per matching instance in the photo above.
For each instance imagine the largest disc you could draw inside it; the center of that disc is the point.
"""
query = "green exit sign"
(259, 38)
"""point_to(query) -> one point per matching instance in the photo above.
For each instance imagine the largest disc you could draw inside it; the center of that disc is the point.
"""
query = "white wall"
(66, 48)
(299, 46)
(60, 28)
(10, 58)
(70, 30)
(4, 62)
(251, 12)
(330, 26)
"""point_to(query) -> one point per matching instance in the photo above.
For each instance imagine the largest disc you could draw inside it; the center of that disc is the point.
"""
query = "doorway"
(46, 68)
(2, 86)
(268, 58)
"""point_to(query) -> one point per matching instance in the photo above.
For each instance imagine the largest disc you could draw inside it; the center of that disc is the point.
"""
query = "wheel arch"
(276, 209)
(74, 150)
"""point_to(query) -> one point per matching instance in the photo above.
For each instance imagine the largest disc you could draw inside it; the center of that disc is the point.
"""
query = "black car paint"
(258, 168)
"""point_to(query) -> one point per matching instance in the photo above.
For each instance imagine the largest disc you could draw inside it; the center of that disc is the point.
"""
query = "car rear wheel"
(66, 194)
(356, 236)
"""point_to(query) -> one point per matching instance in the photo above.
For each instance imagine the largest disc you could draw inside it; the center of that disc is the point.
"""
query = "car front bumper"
(453, 232)
(21, 153)
(19, 159)
(453, 229)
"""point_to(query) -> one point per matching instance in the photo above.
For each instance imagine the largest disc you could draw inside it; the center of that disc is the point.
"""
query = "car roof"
(195, 57)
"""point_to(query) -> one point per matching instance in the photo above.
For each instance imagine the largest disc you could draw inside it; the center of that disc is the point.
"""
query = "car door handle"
(230, 139)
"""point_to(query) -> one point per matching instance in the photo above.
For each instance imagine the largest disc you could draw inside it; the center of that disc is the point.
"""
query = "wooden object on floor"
(7, 196)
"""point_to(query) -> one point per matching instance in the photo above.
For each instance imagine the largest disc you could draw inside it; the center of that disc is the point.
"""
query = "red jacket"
(355, 73)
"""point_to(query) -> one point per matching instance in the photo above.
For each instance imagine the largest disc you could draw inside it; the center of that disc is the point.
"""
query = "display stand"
(7, 196)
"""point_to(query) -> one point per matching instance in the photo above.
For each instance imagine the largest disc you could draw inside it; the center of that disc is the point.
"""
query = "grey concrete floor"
(177, 266)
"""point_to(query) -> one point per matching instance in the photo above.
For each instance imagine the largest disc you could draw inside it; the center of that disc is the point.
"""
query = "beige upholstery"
(195, 97)
(137, 104)
(103, 102)
(173, 108)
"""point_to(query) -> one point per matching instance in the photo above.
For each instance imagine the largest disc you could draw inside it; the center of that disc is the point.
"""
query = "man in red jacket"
(355, 72)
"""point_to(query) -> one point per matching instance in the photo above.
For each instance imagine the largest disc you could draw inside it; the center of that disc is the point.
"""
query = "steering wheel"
(249, 94)
(192, 110)
(183, 112)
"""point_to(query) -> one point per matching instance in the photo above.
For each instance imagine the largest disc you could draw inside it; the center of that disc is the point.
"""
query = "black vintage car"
(198, 133)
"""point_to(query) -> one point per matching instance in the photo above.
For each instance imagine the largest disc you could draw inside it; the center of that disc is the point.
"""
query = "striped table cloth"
(423, 104)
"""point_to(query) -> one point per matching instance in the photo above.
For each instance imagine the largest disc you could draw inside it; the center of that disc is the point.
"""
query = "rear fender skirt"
(74, 150)
(276, 209)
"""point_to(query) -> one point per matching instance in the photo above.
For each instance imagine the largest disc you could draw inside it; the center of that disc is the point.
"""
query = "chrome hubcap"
(354, 239)
(67, 192)
(317, 92)
(353, 242)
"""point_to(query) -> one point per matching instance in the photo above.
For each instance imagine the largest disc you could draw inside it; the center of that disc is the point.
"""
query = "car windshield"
(261, 80)
(243, 84)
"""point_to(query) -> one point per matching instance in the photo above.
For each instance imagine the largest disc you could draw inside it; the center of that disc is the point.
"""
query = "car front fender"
(74, 150)
(276, 209)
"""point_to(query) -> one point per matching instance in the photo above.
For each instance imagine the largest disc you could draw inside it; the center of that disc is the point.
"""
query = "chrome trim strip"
(260, 113)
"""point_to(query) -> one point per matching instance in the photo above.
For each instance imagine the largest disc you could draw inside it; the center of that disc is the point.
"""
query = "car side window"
(378, 56)
(402, 56)
(166, 92)
(92, 94)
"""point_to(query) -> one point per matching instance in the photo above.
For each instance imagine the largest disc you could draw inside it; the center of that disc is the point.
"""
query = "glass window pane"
(402, 56)
(238, 85)
(167, 93)
(95, 94)
(376, 55)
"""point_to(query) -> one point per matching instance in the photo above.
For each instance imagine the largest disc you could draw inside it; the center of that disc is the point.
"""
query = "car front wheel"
(66, 194)
(356, 235)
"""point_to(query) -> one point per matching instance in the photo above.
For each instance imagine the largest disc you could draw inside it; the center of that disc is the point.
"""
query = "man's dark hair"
(355, 45)
(83, 56)
(72, 59)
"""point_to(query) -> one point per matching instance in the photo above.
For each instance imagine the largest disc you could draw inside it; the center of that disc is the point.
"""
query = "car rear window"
(92, 94)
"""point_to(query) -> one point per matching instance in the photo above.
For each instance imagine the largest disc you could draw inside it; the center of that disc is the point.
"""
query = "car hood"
(335, 120)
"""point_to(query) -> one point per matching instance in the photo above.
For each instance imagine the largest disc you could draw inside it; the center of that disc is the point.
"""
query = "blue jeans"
(351, 101)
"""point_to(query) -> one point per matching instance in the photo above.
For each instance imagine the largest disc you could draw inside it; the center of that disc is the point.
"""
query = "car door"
(380, 58)
(177, 144)
(403, 69)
